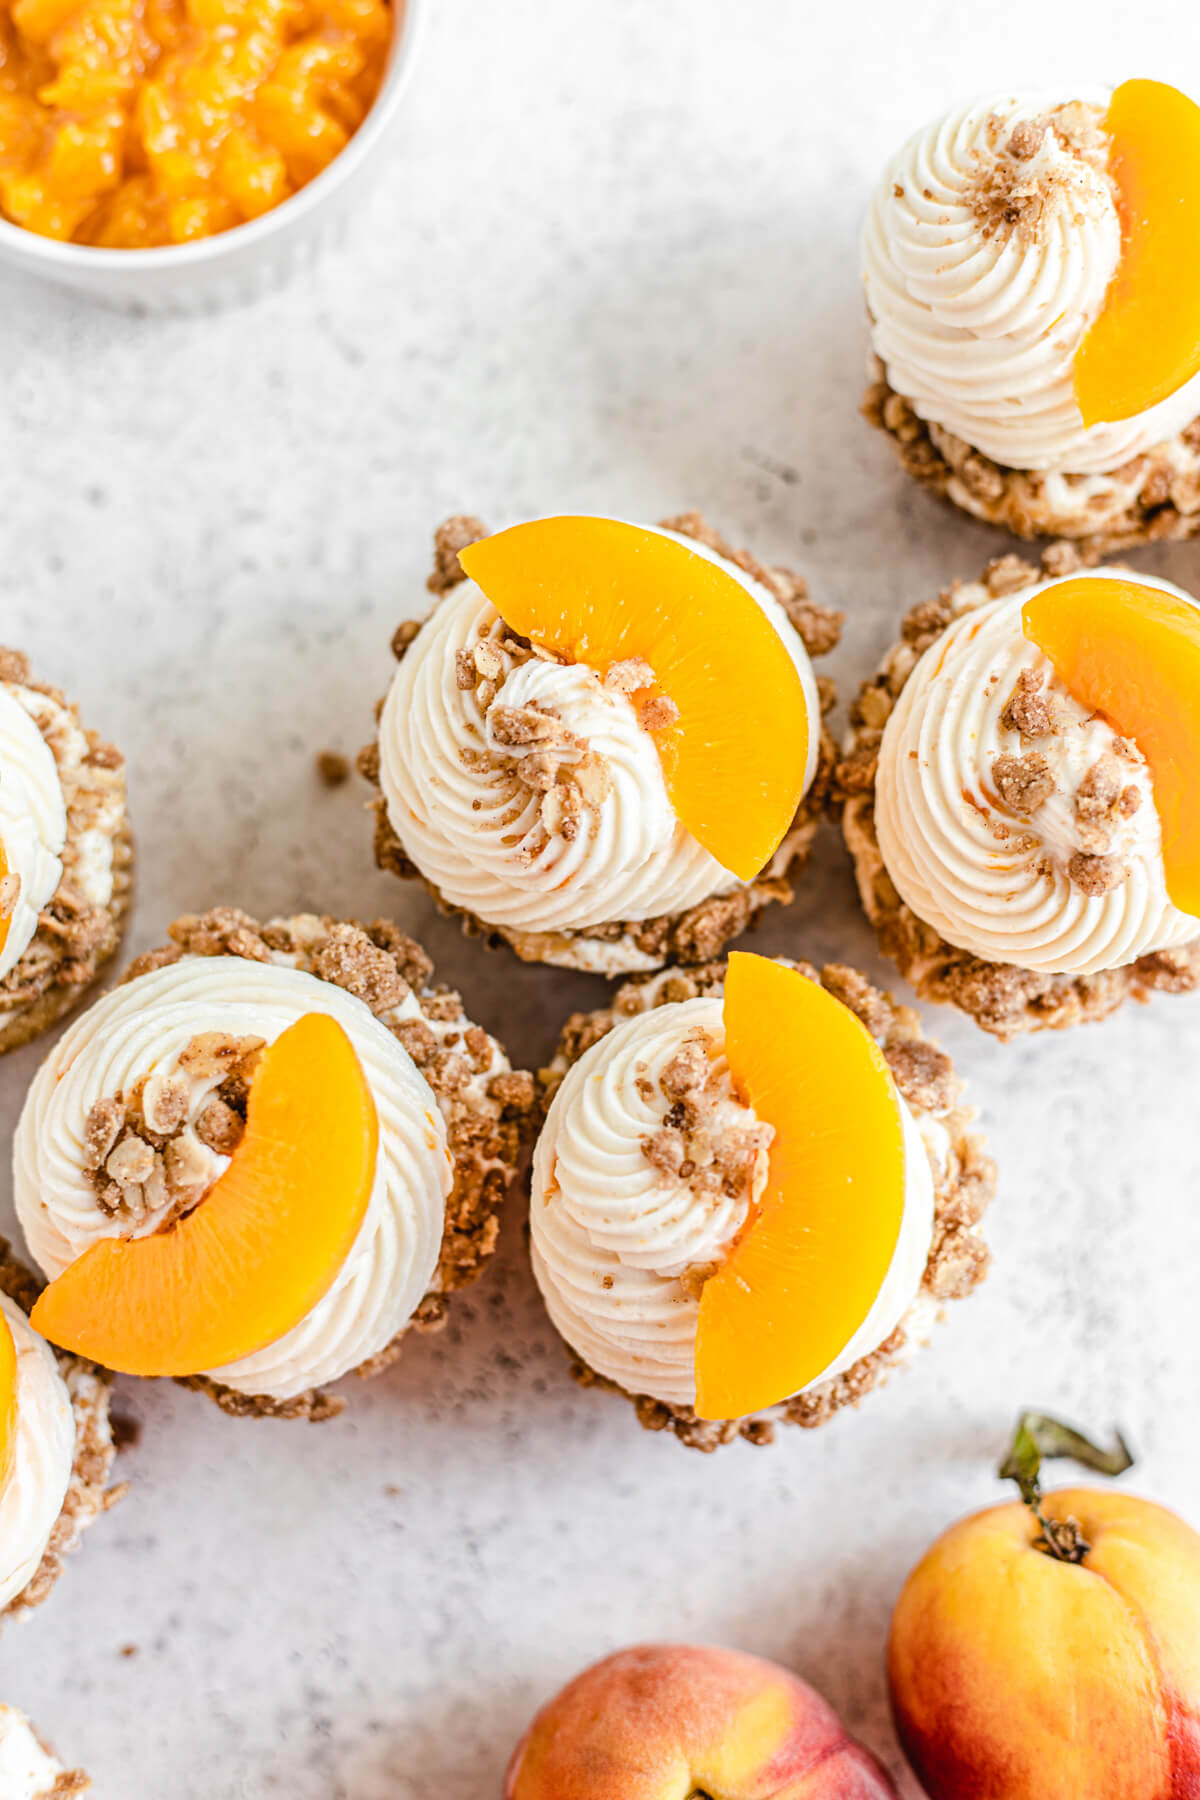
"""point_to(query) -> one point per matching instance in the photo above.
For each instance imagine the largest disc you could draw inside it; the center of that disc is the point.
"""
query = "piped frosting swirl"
(989, 248)
(1013, 821)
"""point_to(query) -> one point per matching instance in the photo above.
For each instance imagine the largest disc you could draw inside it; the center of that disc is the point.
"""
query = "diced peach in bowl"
(179, 154)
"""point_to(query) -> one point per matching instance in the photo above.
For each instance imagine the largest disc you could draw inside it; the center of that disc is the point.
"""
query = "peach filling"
(129, 124)
(1132, 654)
(8, 1401)
(809, 1265)
(1145, 343)
(724, 701)
(264, 1246)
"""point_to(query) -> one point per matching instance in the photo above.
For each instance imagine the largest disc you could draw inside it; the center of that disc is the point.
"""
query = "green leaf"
(1040, 1438)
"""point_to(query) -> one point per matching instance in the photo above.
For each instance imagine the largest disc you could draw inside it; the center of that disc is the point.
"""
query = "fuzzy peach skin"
(668, 1721)
(1018, 1677)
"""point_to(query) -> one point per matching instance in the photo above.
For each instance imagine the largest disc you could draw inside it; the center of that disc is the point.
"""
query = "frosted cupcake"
(754, 1188)
(66, 856)
(29, 1769)
(264, 1158)
(604, 747)
(1019, 795)
(56, 1450)
(1027, 261)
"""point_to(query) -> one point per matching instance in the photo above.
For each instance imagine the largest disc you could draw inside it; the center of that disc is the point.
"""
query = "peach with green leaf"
(1049, 1648)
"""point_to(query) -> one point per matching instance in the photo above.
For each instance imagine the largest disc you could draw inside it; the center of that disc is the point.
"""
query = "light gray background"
(613, 270)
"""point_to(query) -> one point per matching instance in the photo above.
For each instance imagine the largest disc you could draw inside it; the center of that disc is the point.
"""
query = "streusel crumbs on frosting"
(702, 1141)
(1026, 182)
(146, 1153)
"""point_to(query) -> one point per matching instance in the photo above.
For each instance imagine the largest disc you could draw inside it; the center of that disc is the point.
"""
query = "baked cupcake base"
(1154, 498)
(89, 1494)
(1004, 1000)
(700, 933)
(486, 1135)
(958, 1257)
(74, 940)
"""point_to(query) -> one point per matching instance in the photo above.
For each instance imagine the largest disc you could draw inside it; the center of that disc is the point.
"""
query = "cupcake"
(1018, 795)
(263, 1158)
(56, 1450)
(754, 1187)
(604, 746)
(29, 1770)
(66, 855)
(1036, 332)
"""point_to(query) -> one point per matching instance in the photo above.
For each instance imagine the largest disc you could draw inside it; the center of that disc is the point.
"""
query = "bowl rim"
(54, 255)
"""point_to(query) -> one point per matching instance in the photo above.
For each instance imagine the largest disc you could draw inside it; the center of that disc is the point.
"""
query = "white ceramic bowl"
(251, 259)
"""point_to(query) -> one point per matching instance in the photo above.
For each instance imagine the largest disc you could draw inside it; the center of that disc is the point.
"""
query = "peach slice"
(1132, 654)
(8, 1401)
(807, 1269)
(5, 918)
(1145, 342)
(602, 592)
(260, 1250)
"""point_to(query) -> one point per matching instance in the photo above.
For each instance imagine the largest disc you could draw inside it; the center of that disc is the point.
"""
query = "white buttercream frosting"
(139, 1030)
(978, 320)
(33, 815)
(612, 1235)
(475, 831)
(991, 881)
(28, 1771)
(32, 1497)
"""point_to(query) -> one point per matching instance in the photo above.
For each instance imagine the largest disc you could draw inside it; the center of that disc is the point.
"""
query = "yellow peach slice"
(5, 917)
(601, 592)
(807, 1269)
(1132, 654)
(8, 1401)
(260, 1250)
(1145, 343)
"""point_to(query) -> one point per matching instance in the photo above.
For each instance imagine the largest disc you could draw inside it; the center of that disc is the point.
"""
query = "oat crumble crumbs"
(688, 1145)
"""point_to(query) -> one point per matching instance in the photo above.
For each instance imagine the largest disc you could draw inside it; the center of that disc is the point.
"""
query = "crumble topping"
(333, 769)
(698, 1143)
(1018, 191)
(1101, 803)
(1023, 782)
(145, 1155)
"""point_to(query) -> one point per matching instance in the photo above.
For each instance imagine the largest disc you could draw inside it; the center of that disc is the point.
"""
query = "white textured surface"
(616, 272)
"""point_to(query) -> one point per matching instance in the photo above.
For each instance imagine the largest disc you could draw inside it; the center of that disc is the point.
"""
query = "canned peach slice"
(810, 1262)
(264, 1245)
(724, 700)
(1132, 654)
(1145, 343)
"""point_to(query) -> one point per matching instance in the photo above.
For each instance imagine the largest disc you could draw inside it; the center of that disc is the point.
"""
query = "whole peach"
(1018, 1676)
(665, 1721)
